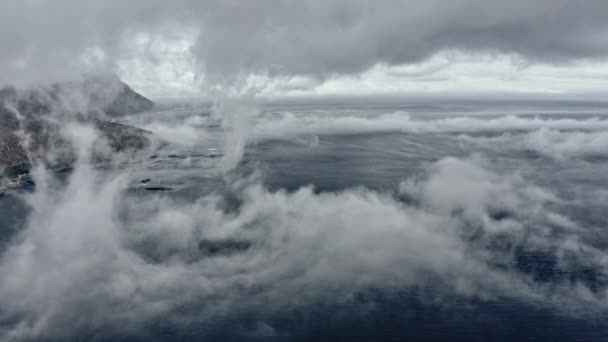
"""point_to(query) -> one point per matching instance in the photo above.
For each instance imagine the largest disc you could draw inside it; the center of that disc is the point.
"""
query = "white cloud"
(444, 73)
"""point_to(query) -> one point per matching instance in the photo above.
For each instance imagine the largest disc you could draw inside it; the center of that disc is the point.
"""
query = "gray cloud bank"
(44, 40)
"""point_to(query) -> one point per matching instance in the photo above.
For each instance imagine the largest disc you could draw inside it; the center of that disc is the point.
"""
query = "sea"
(310, 220)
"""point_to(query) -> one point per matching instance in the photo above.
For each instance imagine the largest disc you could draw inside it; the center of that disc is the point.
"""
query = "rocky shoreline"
(31, 123)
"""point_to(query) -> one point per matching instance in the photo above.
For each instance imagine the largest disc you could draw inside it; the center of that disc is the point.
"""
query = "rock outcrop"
(31, 122)
(12, 152)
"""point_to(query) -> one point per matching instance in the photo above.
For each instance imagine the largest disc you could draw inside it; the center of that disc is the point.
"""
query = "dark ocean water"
(360, 222)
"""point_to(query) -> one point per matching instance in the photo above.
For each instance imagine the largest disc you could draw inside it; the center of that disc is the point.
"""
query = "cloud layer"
(231, 40)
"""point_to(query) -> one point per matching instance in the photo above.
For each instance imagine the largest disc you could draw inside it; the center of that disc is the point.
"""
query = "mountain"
(112, 96)
(31, 121)
(128, 101)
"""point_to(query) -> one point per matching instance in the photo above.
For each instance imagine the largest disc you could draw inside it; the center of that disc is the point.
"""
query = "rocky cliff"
(31, 121)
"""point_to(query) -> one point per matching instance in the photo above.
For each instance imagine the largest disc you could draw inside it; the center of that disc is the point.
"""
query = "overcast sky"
(184, 48)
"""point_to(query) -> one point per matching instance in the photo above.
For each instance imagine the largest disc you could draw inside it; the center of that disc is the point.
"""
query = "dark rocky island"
(31, 121)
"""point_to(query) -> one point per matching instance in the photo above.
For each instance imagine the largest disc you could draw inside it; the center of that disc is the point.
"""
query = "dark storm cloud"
(320, 38)
(316, 38)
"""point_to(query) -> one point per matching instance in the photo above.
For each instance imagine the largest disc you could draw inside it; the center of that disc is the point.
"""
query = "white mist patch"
(238, 119)
(180, 134)
(90, 247)
(458, 186)
(289, 125)
(562, 145)
(551, 143)
(243, 123)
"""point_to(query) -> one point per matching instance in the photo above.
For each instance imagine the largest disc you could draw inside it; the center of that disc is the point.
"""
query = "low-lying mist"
(91, 255)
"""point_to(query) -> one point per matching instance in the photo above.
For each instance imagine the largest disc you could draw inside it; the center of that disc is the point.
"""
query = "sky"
(188, 48)
(448, 72)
